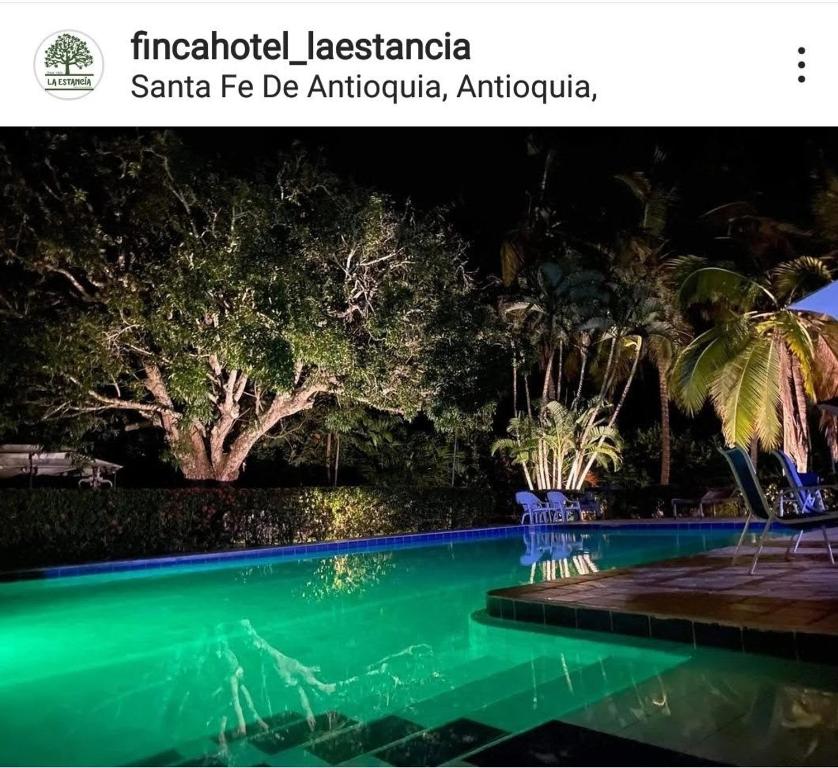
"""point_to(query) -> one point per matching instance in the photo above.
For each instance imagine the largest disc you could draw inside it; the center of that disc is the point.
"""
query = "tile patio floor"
(702, 599)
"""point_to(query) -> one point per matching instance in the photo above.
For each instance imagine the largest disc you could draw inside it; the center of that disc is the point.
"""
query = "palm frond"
(698, 366)
(638, 184)
(800, 276)
(678, 268)
(710, 284)
(826, 367)
(746, 394)
(795, 335)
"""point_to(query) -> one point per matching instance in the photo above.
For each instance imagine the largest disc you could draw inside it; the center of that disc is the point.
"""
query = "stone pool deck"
(789, 608)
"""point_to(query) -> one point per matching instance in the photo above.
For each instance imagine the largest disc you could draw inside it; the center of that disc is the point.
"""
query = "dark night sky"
(483, 174)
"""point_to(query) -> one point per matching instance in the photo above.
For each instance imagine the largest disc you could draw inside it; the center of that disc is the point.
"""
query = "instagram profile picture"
(68, 64)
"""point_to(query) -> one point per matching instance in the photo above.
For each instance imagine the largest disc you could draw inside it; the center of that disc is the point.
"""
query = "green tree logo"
(68, 64)
(68, 51)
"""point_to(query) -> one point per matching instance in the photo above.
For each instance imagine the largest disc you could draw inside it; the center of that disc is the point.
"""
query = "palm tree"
(521, 446)
(639, 320)
(648, 246)
(756, 361)
(558, 449)
(662, 351)
(552, 314)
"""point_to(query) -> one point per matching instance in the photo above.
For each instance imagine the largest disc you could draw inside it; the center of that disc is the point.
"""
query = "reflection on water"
(348, 574)
(238, 680)
(243, 684)
(553, 555)
(809, 716)
(262, 662)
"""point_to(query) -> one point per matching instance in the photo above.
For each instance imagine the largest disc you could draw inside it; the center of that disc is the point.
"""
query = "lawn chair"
(536, 512)
(758, 507)
(805, 495)
(562, 507)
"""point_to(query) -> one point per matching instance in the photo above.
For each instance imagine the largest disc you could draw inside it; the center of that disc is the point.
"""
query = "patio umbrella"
(822, 302)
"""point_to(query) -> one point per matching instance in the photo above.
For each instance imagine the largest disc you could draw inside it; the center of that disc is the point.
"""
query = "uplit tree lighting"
(215, 305)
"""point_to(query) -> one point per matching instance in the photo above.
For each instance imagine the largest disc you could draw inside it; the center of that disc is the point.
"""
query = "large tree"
(215, 304)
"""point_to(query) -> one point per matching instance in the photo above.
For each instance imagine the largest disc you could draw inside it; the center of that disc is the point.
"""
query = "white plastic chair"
(536, 512)
(562, 507)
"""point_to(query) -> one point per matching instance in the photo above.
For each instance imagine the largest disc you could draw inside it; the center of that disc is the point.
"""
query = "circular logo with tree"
(68, 64)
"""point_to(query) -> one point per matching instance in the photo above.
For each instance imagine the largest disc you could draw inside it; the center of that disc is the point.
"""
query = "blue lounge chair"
(805, 493)
(561, 507)
(758, 507)
(807, 497)
(536, 511)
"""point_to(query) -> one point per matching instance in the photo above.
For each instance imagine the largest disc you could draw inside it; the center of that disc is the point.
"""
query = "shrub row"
(51, 526)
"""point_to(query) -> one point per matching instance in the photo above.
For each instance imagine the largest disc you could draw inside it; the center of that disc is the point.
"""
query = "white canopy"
(821, 302)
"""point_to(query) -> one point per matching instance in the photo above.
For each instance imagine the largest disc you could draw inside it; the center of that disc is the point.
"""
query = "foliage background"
(56, 526)
(617, 201)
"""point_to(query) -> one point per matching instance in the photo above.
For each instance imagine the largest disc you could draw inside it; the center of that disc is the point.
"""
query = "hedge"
(57, 526)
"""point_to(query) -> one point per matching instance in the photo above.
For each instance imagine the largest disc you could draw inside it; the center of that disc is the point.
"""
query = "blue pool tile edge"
(376, 543)
(285, 551)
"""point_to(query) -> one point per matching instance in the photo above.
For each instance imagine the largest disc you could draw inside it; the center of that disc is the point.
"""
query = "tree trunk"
(527, 393)
(582, 365)
(666, 435)
(204, 455)
(606, 376)
(793, 407)
(527, 475)
(454, 461)
(514, 385)
(214, 450)
(548, 376)
(329, 458)
(638, 352)
(559, 372)
(801, 416)
(337, 458)
(613, 420)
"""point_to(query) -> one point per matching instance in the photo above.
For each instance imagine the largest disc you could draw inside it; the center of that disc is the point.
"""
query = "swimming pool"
(371, 658)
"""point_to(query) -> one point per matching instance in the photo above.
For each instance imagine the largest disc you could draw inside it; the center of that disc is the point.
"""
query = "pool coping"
(521, 605)
(345, 546)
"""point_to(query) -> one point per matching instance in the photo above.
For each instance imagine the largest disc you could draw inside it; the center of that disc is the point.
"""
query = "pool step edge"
(797, 645)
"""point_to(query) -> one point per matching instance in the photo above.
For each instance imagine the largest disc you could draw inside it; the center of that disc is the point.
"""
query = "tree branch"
(229, 410)
(282, 406)
(130, 405)
(84, 294)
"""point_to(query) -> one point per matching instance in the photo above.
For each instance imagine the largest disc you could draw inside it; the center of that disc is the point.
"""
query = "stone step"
(474, 695)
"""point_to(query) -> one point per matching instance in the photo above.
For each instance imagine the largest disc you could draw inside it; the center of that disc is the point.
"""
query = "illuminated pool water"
(162, 666)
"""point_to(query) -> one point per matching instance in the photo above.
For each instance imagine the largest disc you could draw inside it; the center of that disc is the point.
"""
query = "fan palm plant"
(755, 363)
(558, 449)
(521, 446)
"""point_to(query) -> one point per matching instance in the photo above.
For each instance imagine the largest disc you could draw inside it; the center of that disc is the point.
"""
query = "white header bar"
(624, 64)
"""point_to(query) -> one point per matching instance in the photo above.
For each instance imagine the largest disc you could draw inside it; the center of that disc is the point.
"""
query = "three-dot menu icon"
(801, 78)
